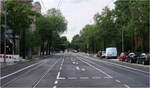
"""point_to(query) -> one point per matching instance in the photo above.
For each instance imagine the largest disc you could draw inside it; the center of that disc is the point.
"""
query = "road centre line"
(18, 71)
(96, 68)
(119, 65)
(45, 74)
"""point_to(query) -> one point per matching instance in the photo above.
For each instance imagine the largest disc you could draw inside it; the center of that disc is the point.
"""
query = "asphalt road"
(75, 70)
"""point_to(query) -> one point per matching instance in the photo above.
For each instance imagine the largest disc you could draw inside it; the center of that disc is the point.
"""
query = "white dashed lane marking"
(96, 77)
(118, 81)
(56, 82)
(84, 77)
(126, 86)
(72, 77)
(77, 67)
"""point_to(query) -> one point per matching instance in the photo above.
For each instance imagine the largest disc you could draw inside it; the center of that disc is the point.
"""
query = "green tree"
(19, 18)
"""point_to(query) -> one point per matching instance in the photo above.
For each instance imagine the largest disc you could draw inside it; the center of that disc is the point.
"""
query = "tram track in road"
(38, 81)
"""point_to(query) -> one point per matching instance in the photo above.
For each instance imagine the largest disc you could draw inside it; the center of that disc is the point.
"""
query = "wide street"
(75, 70)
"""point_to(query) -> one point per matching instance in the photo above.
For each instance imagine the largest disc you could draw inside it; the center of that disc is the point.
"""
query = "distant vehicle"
(99, 53)
(103, 54)
(111, 52)
(132, 57)
(143, 59)
(75, 51)
(122, 56)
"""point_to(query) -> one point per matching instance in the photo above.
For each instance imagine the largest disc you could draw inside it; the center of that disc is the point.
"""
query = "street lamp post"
(5, 31)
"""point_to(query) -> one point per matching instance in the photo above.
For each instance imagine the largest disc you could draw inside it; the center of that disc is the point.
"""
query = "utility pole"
(122, 40)
(5, 31)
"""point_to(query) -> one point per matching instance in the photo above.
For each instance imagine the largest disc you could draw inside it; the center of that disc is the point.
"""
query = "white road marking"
(61, 78)
(96, 77)
(56, 82)
(118, 65)
(23, 74)
(18, 71)
(84, 77)
(82, 69)
(58, 75)
(77, 67)
(73, 62)
(60, 68)
(97, 68)
(118, 81)
(54, 87)
(126, 86)
(45, 74)
(106, 77)
(72, 77)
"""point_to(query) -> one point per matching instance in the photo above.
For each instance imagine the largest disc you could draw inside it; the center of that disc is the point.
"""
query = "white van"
(111, 52)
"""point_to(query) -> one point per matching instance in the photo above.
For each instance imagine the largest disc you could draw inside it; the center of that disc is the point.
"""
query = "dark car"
(132, 57)
(122, 56)
(143, 59)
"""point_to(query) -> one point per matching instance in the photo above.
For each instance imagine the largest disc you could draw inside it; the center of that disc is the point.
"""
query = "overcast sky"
(77, 12)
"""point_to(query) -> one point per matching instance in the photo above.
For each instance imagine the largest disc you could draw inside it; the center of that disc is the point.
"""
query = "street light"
(5, 31)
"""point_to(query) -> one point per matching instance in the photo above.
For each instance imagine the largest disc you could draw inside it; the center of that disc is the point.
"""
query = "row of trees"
(125, 27)
(49, 28)
(45, 38)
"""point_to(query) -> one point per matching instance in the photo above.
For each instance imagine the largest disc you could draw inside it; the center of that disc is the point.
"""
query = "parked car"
(111, 52)
(132, 57)
(143, 59)
(99, 53)
(103, 54)
(122, 56)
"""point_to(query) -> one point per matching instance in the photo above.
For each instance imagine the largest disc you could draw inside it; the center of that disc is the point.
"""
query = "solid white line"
(96, 68)
(126, 86)
(118, 65)
(45, 74)
(18, 71)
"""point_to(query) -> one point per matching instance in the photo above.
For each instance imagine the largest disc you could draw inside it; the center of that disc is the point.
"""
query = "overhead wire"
(59, 4)
(43, 5)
